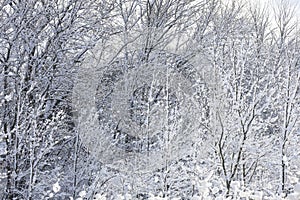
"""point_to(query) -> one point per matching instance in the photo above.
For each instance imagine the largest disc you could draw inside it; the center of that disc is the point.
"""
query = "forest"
(149, 99)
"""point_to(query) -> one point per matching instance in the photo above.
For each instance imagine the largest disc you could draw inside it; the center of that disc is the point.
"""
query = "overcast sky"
(271, 3)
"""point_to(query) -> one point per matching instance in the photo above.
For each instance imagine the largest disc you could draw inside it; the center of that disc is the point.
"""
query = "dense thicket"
(136, 99)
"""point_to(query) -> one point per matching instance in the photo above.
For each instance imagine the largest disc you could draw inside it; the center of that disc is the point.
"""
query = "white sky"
(271, 3)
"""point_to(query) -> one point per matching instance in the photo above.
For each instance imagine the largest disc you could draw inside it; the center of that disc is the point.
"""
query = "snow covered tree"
(286, 71)
(42, 43)
(135, 99)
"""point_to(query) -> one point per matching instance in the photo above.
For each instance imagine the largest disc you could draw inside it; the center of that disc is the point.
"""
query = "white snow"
(82, 194)
(56, 187)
